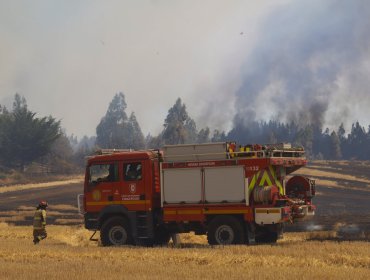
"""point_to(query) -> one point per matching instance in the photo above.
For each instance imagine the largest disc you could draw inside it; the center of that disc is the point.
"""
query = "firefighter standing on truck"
(39, 222)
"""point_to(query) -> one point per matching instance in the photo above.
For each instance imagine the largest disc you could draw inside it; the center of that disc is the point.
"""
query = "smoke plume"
(310, 65)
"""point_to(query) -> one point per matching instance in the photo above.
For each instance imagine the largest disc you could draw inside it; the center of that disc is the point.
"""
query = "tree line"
(26, 138)
(318, 143)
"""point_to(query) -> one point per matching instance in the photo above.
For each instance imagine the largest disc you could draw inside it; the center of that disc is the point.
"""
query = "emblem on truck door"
(132, 188)
(96, 195)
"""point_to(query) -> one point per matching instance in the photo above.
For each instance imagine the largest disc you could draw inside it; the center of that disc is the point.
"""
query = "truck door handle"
(110, 197)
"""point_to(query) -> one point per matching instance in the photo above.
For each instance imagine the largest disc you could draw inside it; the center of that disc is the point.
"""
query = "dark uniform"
(39, 222)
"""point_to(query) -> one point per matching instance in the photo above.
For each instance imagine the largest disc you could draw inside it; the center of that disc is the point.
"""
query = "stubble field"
(67, 254)
(333, 245)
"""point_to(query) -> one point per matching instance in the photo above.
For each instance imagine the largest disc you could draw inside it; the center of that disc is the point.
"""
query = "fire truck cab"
(235, 195)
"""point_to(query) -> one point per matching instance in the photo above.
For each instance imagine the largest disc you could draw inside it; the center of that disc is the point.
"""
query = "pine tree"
(203, 135)
(134, 134)
(335, 150)
(86, 146)
(110, 130)
(191, 135)
(116, 130)
(179, 128)
(305, 137)
(219, 136)
(341, 132)
(357, 141)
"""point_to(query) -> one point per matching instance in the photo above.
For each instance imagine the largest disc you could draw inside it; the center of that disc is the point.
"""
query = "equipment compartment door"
(182, 185)
(225, 184)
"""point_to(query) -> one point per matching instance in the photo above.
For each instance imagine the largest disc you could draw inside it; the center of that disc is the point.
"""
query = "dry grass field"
(67, 254)
(62, 182)
(333, 245)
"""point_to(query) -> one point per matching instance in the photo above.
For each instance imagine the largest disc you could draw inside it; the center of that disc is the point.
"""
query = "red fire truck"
(233, 194)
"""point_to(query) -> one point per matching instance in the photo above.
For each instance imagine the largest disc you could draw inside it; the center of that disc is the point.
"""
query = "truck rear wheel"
(115, 231)
(225, 230)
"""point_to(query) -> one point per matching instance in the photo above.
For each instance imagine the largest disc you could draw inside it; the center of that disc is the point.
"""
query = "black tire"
(225, 230)
(161, 235)
(265, 235)
(115, 232)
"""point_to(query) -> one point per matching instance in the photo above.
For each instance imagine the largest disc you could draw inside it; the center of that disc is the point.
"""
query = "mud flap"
(250, 234)
(176, 239)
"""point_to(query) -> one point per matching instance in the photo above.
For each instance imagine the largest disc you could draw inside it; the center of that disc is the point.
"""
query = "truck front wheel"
(225, 230)
(115, 231)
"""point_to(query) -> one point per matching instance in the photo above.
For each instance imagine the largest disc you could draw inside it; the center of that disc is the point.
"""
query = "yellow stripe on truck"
(189, 212)
(182, 212)
(197, 212)
(253, 181)
(277, 182)
(265, 178)
(170, 212)
(123, 202)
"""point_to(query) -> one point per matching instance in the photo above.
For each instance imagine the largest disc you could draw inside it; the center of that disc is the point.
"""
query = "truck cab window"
(132, 171)
(99, 173)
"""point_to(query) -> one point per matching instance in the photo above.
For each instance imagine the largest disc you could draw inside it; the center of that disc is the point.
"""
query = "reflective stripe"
(277, 182)
(170, 212)
(266, 177)
(215, 211)
(39, 219)
(128, 202)
(189, 212)
(253, 181)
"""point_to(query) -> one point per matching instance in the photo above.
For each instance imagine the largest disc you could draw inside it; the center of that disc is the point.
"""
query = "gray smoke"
(313, 58)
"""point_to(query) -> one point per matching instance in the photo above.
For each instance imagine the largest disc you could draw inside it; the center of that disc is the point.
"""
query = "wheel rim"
(118, 235)
(224, 235)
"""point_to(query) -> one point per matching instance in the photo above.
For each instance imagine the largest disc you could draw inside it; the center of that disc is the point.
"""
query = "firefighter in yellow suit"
(39, 222)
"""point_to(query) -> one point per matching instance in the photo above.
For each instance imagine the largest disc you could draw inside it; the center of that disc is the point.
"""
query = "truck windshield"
(99, 173)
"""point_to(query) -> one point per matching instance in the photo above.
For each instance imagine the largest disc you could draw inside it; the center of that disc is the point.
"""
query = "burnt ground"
(18, 207)
(337, 206)
(347, 203)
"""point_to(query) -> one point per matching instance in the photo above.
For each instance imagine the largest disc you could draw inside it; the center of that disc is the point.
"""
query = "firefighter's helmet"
(43, 204)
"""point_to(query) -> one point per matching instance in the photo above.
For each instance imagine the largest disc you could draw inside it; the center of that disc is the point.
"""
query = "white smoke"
(311, 64)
